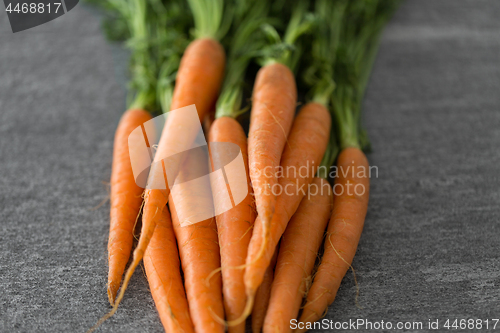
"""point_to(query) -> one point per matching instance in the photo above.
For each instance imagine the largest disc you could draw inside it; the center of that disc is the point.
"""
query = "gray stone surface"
(430, 248)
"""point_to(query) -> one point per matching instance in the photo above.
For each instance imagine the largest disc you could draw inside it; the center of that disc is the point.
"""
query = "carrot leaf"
(210, 18)
(155, 32)
(343, 50)
(244, 41)
(287, 49)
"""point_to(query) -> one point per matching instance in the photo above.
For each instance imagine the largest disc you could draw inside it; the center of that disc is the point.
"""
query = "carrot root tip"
(112, 293)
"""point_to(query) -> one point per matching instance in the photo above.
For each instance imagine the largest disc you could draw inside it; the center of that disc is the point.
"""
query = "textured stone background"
(430, 248)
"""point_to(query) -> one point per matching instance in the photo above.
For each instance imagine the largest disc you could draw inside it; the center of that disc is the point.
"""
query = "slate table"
(431, 245)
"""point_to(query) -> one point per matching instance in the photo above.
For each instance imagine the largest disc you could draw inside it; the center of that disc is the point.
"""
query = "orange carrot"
(226, 135)
(234, 227)
(297, 255)
(199, 76)
(306, 145)
(344, 231)
(126, 196)
(126, 200)
(198, 247)
(350, 41)
(263, 295)
(161, 262)
(274, 99)
(202, 62)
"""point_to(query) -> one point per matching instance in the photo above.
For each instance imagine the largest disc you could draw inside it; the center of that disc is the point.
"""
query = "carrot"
(202, 63)
(344, 231)
(226, 134)
(306, 145)
(198, 80)
(234, 226)
(297, 255)
(161, 262)
(126, 195)
(199, 76)
(274, 98)
(354, 49)
(126, 200)
(198, 246)
(262, 297)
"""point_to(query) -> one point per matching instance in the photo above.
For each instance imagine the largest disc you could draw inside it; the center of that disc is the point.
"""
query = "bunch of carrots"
(281, 253)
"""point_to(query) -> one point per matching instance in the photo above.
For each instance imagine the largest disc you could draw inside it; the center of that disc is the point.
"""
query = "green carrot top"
(287, 50)
(210, 19)
(356, 52)
(156, 35)
(244, 40)
(342, 53)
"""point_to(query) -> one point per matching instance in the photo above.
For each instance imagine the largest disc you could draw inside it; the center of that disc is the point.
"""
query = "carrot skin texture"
(198, 248)
(126, 200)
(274, 99)
(298, 252)
(263, 296)
(199, 252)
(306, 147)
(344, 231)
(234, 228)
(200, 75)
(162, 265)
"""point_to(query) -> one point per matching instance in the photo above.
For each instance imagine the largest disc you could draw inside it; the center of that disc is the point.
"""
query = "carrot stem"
(208, 18)
(286, 50)
(358, 44)
(244, 44)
